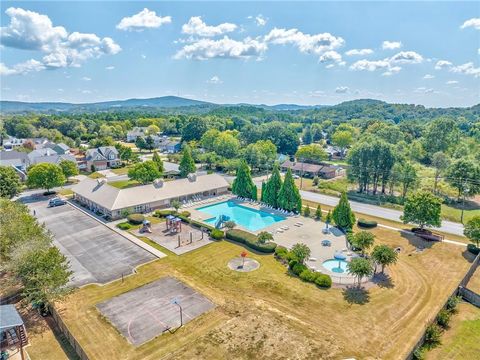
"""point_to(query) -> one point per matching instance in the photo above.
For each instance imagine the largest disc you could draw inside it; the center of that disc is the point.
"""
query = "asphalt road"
(367, 209)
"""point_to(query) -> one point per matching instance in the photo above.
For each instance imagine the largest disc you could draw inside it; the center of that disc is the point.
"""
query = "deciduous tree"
(45, 176)
(360, 267)
(384, 255)
(301, 251)
(422, 208)
(69, 168)
(10, 184)
(472, 230)
(144, 172)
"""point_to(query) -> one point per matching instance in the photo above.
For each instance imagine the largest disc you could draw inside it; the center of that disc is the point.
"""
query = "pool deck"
(309, 233)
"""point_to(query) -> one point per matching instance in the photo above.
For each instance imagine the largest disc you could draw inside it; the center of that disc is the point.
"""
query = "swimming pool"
(335, 265)
(248, 218)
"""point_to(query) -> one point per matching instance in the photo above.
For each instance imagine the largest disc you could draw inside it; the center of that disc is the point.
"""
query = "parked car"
(295, 176)
(56, 202)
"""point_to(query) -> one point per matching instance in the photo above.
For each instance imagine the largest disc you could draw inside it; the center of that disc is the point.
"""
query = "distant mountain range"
(164, 102)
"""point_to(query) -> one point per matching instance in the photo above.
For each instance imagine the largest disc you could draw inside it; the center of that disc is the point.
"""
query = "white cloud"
(423, 90)
(143, 56)
(407, 57)
(29, 30)
(442, 64)
(391, 45)
(389, 65)
(306, 43)
(451, 82)
(85, 78)
(145, 19)
(473, 22)
(260, 20)
(360, 52)
(86, 91)
(215, 80)
(111, 67)
(341, 89)
(331, 57)
(227, 48)
(428, 77)
(22, 68)
(196, 26)
(466, 69)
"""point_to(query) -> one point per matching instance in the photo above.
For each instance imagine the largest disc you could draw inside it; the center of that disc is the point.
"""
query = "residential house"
(169, 146)
(11, 142)
(102, 158)
(325, 171)
(48, 155)
(16, 159)
(60, 148)
(136, 132)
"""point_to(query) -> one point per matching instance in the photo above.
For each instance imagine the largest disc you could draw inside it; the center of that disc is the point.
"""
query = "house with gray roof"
(102, 158)
(98, 195)
(47, 155)
(16, 159)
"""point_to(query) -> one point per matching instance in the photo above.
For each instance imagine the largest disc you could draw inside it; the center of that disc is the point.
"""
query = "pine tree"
(157, 160)
(318, 212)
(306, 211)
(243, 184)
(343, 214)
(262, 193)
(289, 196)
(187, 165)
(272, 187)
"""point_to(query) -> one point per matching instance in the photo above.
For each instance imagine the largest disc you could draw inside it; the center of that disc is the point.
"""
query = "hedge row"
(250, 240)
(135, 219)
(163, 213)
(307, 275)
(473, 249)
(366, 223)
(124, 226)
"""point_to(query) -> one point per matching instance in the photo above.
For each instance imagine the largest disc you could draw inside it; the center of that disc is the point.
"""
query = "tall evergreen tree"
(289, 196)
(343, 214)
(262, 193)
(187, 165)
(272, 187)
(243, 184)
(158, 160)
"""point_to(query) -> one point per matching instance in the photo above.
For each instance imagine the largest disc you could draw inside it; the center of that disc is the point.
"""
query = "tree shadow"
(356, 295)
(469, 205)
(467, 255)
(383, 280)
(416, 241)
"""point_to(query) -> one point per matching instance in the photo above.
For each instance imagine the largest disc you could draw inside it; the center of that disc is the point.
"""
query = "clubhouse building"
(101, 197)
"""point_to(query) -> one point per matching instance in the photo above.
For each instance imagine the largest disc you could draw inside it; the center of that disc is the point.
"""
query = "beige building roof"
(112, 198)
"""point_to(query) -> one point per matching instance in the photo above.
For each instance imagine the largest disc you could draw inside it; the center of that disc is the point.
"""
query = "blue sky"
(230, 52)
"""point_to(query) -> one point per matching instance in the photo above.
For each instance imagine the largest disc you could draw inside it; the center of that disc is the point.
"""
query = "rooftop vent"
(192, 177)
(158, 183)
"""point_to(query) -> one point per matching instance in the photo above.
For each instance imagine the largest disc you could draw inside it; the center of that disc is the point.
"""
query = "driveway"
(96, 253)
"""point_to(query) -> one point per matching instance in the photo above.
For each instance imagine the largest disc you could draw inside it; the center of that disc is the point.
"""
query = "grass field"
(462, 340)
(260, 314)
(121, 171)
(474, 283)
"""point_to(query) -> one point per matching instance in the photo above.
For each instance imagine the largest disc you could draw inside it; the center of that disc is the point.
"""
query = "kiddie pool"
(335, 265)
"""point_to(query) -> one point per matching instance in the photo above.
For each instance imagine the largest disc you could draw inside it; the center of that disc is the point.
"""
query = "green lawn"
(462, 340)
(265, 311)
(95, 175)
(121, 171)
(123, 184)
(453, 214)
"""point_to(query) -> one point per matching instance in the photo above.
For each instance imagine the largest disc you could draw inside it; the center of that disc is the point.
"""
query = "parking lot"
(96, 253)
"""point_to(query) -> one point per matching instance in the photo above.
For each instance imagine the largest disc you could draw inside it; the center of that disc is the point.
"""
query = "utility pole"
(465, 191)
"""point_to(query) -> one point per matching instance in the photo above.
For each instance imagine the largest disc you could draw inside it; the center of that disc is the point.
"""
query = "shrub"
(250, 240)
(298, 268)
(432, 335)
(135, 219)
(292, 263)
(163, 213)
(308, 275)
(323, 281)
(473, 249)
(366, 223)
(281, 252)
(443, 318)
(291, 256)
(216, 234)
(315, 181)
(419, 353)
(452, 303)
(186, 213)
(306, 211)
(124, 226)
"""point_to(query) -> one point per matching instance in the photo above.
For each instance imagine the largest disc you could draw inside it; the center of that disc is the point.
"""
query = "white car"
(295, 176)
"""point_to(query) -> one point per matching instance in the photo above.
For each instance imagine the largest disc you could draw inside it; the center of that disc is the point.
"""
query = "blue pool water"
(243, 216)
(336, 266)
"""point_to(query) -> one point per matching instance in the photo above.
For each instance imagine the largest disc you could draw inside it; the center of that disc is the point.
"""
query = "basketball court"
(146, 312)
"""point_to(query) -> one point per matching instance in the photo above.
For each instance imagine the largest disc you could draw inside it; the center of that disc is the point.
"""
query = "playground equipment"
(221, 219)
(147, 227)
(174, 224)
